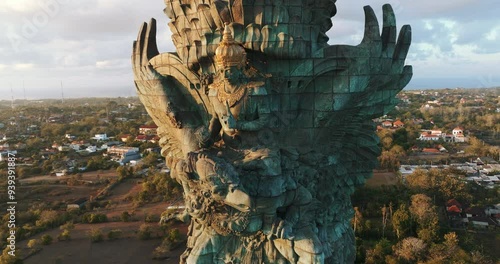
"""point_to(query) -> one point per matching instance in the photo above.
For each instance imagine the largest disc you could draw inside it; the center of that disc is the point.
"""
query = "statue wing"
(262, 26)
(349, 87)
(172, 94)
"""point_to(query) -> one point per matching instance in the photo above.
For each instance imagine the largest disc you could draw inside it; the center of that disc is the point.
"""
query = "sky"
(82, 48)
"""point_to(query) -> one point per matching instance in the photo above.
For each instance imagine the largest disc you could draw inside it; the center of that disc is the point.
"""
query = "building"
(428, 135)
(148, 130)
(100, 137)
(458, 134)
(398, 124)
(120, 151)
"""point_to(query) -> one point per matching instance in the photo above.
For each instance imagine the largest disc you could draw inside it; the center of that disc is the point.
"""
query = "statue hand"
(282, 229)
(387, 50)
(229, 120)
(149, 83)
(144, 49)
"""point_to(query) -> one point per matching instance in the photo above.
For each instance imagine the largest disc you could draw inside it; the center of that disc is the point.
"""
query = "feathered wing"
(293, 31)
(347, 88)
(172, 94)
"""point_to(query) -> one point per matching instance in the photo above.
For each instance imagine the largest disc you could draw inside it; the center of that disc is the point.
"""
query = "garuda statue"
(266, 126)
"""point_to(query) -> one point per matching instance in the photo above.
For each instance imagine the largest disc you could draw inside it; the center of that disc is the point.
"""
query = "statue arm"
(214, 129)
(254, 125)
(264, 115)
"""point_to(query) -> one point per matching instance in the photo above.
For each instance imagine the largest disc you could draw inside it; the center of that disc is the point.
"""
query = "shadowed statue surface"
(266, 126)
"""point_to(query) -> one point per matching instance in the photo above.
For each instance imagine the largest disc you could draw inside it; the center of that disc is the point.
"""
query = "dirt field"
(87, 176)
(128, 249)
(382, 178)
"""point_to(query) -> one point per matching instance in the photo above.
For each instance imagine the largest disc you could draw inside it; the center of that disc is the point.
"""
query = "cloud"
(88, 43)
(24, 66)
(19, 5)
(113, 64)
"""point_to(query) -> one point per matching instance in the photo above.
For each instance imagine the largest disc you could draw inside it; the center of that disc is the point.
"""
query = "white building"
(458, 134)
(100, 137)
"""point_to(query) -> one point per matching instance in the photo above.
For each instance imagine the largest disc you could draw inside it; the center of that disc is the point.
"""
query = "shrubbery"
(46, 239)
(91, 218)
(95, 235)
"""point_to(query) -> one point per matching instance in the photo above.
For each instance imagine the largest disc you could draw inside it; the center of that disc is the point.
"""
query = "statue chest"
(242, 103)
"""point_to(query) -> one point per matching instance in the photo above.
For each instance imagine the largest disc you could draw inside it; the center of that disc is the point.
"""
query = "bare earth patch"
(382, 178)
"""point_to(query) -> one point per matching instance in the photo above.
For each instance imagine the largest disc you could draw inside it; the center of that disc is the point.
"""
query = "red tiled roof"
(149, 126)
(398, 123)
(430, 150)
(453, 202)
(453, 209)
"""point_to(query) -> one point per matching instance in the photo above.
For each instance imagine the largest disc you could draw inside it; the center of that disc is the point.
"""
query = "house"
(453, 206)
(441, 148)
(91, 149)
(4, 146)
(387, 124)
(100, 137)
(148, 130)
(430, 151)
(427, 136)
(4, 156)
(130, 158)
(398, 124)
(61, 173)
(448, 138)
(76, 145)
(436, 132)
(63, 148)
(142, 138)
(482, 222)
(125, 138)
(458, 134)
(492, 210)
(474, 211)
(119, 151)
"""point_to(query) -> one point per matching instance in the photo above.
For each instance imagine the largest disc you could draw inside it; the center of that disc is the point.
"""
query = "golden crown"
(229, 52)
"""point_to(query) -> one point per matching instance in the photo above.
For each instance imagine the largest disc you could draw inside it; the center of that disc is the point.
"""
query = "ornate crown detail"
(229, 52)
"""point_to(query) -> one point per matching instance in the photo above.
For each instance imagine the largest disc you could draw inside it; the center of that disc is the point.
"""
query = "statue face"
(231, 74)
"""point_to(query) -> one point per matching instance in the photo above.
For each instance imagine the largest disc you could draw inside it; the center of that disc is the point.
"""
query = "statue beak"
(238, 199)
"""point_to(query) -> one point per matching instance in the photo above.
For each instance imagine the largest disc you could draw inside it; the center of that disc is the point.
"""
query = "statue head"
(230, 57)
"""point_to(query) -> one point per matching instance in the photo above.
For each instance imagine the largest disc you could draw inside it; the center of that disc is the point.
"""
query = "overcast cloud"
(86, 45)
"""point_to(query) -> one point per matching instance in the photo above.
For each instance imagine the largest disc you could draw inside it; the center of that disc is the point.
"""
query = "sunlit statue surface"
(266, 126)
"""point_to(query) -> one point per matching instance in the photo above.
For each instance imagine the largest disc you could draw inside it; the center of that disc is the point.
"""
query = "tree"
(379, 252)
(385, 216)
(401, 221)
(124, 172)
(426, 216)
(357, 221)
(7, 258)
(476, 147)
(410, 249)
